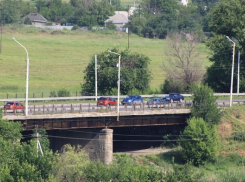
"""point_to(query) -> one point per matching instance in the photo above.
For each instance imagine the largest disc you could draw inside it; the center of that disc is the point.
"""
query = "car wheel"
(171, 100)
(180, 100)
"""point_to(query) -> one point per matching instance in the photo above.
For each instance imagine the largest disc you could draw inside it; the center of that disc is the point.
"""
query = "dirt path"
(144, 151)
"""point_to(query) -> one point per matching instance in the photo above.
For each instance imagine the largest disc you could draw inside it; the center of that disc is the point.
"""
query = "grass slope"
(229, 165)
(58, 58)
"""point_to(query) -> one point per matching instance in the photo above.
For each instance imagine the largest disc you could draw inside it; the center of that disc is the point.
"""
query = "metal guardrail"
(94, 97)
(80, 108)
(88, 107)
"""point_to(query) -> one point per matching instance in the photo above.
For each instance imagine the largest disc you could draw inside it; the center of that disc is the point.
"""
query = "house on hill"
(119, 19)
(36, 19)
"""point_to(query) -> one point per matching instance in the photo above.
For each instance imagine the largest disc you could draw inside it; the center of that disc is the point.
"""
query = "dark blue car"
(132, 99)
(171, 97)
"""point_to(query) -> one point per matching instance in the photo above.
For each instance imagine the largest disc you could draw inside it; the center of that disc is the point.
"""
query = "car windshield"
(154, 99)
(10, 103)
(102, 98)
(171, 95)
(128, 97)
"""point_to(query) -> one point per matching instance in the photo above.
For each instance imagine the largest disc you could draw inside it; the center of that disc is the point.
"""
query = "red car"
(13, 105)
(106, 101)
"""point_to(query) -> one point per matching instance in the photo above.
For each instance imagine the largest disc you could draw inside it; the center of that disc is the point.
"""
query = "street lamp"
(232, 69)
(118, 83)
(27, 76)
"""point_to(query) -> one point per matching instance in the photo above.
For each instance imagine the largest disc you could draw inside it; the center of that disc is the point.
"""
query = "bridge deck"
(103, 120)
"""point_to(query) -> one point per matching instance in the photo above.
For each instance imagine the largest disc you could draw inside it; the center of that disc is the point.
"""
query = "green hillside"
(58, 58)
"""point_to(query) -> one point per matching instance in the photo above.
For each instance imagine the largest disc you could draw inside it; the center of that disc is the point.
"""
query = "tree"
(183, 63)
(226, 20)
(93, 13)
(20, 161)
(55, 10)
(219, 73)
(204, 104)
(71, 164)
(199, 141)
(110, 25)
(135, 73)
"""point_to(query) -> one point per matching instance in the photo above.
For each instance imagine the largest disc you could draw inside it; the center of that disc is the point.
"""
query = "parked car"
(106, 101)
(132, 99)
(156, 101)
(13, 105)
(171, 97)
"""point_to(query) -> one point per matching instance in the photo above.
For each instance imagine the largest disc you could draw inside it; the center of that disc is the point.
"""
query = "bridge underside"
(105, 121)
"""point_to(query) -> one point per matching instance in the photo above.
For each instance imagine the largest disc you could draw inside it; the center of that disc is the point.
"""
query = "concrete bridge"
(94, 130)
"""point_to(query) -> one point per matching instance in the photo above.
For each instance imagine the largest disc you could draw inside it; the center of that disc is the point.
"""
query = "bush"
(199, 141)
(74, 27)
(53, 94)
(27, 21)
(63, 93)
(170, 85)
(110, 25)
(204, 104)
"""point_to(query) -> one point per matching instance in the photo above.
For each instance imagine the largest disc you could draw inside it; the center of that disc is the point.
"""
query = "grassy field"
(58, 58)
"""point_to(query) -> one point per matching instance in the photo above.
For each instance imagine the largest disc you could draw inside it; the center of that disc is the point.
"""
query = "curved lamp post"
(27, 76)
(118, 83)
(232, 69)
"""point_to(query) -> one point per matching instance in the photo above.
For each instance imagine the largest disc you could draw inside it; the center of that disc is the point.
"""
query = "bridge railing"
(88, 107)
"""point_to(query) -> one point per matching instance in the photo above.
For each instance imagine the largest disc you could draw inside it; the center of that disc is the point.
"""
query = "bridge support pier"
(101, 146)
(98, 143)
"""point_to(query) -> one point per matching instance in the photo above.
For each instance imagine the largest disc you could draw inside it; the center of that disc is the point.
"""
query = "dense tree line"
(157, 18)
(80, 12)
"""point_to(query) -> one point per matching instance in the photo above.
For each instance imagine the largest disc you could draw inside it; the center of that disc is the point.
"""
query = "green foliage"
(219, 73)
(134, 71)
(27, 21)
(110, 25)
(71, 164)
(91, 13)
(122, 169)
(170, 85)
(226, 21)
(74, 27)
(20, 161)
(63, 93)
(239, 135)
(199, 141)
(182, 173)
(53, 94)
(204, 104)
(55, 10)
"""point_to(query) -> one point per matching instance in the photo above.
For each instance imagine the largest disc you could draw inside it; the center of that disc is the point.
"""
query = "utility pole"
(128, 26)
(139, 11)
(1, 29)
(96, 76)
(38, 142)
(232, 69)
(238, 72)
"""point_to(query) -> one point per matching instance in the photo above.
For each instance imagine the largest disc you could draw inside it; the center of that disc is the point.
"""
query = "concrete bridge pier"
(101, 147)
(98, 143)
